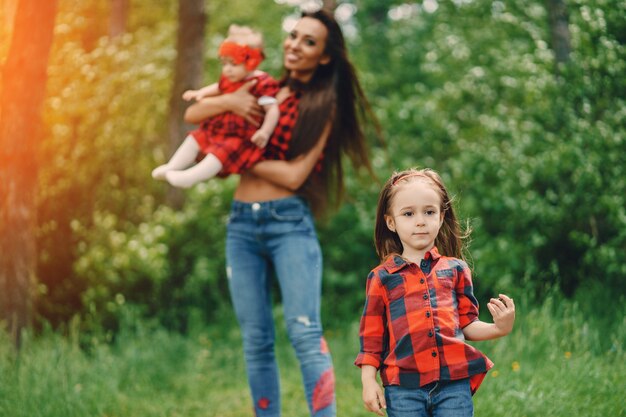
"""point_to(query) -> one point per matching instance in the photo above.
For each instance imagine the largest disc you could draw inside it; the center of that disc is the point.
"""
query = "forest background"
(520, 105)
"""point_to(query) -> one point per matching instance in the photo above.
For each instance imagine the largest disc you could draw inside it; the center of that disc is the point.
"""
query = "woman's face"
(304, 48)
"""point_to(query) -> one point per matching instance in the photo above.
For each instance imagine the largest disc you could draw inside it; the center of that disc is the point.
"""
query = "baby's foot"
(180, 179)
(159, 172)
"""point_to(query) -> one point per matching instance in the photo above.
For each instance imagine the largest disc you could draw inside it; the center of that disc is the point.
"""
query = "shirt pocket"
(394, 286)
(445, 278)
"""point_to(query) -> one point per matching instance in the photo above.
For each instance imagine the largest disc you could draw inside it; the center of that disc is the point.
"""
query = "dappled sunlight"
(129, 287)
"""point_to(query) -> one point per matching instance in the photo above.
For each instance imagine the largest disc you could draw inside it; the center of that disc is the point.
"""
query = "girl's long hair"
(449, 241)
(334, 94)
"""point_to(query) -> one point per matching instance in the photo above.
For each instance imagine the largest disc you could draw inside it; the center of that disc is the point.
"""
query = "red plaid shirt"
(411, 328)
(279, 144)
(281, 138)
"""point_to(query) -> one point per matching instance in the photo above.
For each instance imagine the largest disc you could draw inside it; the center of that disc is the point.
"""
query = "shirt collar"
(395, 262)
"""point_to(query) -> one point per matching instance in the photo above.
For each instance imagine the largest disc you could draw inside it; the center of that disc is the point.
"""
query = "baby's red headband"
(241, 54)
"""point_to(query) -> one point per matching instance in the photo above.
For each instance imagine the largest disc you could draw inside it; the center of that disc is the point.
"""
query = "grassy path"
(554, 364)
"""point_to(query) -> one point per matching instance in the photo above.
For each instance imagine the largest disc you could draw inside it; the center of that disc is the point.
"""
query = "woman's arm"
(293, 173)
(240, 102)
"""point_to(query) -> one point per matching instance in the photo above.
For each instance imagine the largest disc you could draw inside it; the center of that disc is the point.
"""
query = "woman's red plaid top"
(278, 146)
(411, 328)
(281, 138)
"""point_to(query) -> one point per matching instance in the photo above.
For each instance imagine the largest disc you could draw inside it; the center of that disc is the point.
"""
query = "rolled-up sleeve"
(467, 302)
(372, 331)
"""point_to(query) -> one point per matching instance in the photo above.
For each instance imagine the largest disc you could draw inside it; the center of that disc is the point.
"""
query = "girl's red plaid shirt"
(411, 327)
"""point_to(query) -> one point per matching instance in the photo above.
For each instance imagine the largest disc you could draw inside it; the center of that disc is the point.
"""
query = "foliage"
(155, 266)
(547, 175)
(533, 152)
(104, 119)
(151, 372)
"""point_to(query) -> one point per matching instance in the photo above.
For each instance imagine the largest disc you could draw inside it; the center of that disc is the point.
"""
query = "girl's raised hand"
(503, 311)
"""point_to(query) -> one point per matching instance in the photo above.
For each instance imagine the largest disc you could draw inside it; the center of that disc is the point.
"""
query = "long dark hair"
(333, 94)
(450, 239)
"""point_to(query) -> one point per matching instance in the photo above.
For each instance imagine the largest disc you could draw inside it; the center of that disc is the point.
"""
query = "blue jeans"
(438, 399)
(279, 235)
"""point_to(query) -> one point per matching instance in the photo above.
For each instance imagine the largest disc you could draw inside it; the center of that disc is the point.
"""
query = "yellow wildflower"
(568, 355)
(515, 366)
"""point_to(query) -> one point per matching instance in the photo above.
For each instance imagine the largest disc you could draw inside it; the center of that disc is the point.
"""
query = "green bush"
(104, 122)
(533, 152)
(546, 181)
(170, 267)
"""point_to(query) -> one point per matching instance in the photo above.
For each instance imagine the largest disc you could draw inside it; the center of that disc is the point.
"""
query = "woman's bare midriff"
(252, 188)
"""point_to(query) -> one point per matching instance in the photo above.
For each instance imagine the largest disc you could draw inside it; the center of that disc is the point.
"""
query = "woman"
(271, 226)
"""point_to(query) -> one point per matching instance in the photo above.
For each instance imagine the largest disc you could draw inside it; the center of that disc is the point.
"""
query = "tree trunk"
(187, 73)
(24, 86)
(8, 14)
(559, 30)
(330, 4)
(118, 17)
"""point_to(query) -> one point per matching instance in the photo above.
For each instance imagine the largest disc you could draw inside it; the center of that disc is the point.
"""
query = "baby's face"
(233, 72)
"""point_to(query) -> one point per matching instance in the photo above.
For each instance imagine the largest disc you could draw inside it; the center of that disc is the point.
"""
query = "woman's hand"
(244, 104)
(240, 102)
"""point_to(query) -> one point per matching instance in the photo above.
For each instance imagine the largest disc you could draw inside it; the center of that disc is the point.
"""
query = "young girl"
(420, 307)
(229, 143)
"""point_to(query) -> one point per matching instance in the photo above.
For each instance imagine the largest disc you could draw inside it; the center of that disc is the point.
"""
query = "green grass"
(555, 363)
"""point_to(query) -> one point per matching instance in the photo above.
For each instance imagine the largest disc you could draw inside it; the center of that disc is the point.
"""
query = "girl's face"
(233, 72)
(415, 215)
(304, 48)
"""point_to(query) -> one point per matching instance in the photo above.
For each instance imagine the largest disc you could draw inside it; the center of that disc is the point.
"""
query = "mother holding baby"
(271, 224)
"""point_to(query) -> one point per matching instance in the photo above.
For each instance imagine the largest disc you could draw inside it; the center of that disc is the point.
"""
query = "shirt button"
(256, 206)
(430, 333)
(428, 314)
(425, 296)
(422, 281)
(434, 354)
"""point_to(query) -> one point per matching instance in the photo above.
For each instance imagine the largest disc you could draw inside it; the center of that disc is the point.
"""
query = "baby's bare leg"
(205, 169)
(182, 158)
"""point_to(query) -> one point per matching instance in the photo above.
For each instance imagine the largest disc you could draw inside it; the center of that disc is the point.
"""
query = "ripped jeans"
(279, 235)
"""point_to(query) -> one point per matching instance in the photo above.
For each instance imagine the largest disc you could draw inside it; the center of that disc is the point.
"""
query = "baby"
(227, 142)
